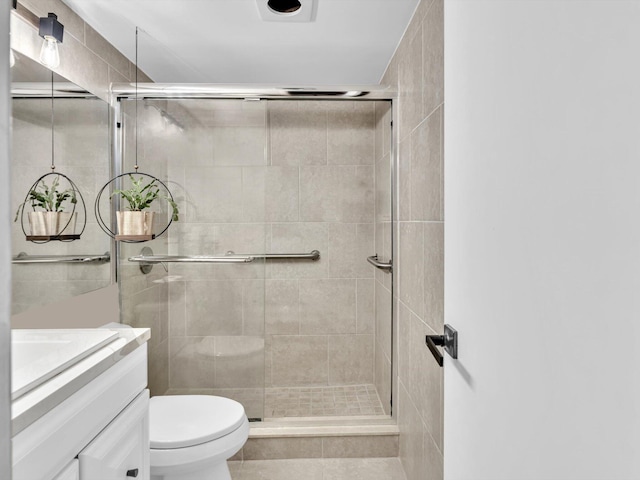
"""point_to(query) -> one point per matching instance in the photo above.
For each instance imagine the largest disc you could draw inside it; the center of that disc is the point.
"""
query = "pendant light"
(51, 30)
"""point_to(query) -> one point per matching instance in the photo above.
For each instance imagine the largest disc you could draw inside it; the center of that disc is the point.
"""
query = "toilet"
(192, 436)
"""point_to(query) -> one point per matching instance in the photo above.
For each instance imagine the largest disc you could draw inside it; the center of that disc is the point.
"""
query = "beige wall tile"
(433, 57)
(177, 309)
(214, 307)
(382, 378)
(239, 362)
(410, 85)
(271, 194)
(351, 133)
(327, 306)
(404, 180)
(192, 362)
(383, 189)
(411, 434)
(365, 317)
(383, 319)
(298, 132)
(218, 193)
(426, 169)
(350, 359)
(434, 275)
(349, 244)
(434, 459)
(411, 274)
(361, 446)
(253, 307)
(299, 360)
(337, 194)
(239, 145)
(281, 307)
(101, 47)
(382, 129)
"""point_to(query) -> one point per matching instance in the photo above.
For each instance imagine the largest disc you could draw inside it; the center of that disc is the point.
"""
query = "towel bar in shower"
(312, 255)
(190, 259)
(22, 257)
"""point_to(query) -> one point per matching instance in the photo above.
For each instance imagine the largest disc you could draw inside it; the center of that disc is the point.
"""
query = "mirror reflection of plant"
(140, 196)
(49, 198)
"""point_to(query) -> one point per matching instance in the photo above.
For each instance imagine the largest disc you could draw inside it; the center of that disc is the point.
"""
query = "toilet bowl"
(192, 436)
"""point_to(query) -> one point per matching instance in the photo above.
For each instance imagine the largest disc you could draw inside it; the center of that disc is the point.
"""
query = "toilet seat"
(181, 421)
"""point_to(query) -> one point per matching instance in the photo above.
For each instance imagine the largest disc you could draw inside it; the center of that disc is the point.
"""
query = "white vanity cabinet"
(99, 432)
(121, 451)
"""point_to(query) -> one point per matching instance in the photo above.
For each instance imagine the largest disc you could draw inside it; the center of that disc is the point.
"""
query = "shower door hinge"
(118, 125)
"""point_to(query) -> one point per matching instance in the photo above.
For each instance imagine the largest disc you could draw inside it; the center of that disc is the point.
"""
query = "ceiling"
(349, 42)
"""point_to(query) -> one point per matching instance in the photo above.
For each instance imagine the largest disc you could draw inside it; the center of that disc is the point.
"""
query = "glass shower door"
(207, 318)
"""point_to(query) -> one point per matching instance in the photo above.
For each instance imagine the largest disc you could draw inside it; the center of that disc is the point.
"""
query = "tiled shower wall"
(417, 71)
(276, 176)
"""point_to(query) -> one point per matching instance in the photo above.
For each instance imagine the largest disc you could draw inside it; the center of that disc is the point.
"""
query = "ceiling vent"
(296, 11)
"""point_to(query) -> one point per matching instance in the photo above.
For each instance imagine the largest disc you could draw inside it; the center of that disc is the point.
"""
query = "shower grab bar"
(23, 257)
(312, 255)
(150, 259)
(373, 260)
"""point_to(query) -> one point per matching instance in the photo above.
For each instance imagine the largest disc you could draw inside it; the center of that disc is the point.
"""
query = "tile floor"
(319, 469)
(344, 400)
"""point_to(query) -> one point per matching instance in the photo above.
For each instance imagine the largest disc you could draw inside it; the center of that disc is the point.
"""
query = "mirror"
(47, 273)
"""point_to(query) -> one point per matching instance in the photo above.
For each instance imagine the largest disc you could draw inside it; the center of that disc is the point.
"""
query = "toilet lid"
(186, 420)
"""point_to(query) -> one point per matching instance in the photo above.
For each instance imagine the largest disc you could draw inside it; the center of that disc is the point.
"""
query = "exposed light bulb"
(12, 58)
(49, 55)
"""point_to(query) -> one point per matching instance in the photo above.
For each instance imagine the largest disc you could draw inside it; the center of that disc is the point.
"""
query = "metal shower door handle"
(373, 260)
(449, 341)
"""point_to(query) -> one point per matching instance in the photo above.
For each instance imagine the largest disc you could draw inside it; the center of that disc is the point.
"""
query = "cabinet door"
(121, 450)
(70, 472)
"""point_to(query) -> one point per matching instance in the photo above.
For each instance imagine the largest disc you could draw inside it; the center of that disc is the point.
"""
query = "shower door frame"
(156, 91)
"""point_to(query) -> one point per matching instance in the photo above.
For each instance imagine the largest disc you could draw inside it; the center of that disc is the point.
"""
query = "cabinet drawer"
(121, 450)
(70, 472)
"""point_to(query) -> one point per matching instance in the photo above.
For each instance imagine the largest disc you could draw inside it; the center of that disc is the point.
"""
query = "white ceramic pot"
(52, 223)
(135, 223)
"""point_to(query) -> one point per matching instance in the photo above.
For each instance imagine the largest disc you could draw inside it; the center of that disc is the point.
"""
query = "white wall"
(542, 239)
(5, 247)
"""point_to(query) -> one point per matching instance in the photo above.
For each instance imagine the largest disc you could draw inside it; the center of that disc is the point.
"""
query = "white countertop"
(51, 365)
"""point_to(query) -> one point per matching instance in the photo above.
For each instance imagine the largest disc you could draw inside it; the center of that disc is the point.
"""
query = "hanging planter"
(53, 214)
(136, 223)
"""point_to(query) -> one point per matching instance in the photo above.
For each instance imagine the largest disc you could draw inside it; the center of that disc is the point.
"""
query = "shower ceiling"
(226, 41)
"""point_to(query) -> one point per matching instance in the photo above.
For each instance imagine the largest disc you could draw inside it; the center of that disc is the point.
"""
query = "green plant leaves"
(141, 196)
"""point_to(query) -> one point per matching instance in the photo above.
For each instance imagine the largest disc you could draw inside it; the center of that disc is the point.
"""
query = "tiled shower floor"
(345, 400)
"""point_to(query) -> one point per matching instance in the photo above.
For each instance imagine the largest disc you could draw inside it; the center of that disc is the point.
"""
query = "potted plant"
(52, 220)
(136, 221)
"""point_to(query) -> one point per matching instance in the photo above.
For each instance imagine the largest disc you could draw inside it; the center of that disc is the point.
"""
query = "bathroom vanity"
(80, 404)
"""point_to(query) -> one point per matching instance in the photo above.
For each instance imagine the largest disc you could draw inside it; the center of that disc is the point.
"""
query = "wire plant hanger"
(139, 196)
(55, 226)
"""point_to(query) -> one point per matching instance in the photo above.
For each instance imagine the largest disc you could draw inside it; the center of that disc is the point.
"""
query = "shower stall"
(263, 290)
